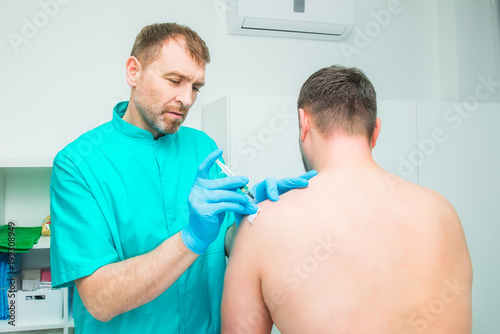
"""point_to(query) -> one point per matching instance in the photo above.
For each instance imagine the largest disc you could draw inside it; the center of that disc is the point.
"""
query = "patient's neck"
(344, 153)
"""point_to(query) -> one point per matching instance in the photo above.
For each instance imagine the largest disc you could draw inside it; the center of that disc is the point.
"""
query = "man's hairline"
(181, 41)
(307, 109)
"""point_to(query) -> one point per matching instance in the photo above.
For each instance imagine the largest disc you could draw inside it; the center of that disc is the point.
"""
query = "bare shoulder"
(429, 200)
(273, 214)
(434, 215)
(437, 204)
(262, 232)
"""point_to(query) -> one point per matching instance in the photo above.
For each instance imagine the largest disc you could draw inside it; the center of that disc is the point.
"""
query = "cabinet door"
(396, 146)
(464, 167)
(259, 135)
(264, 137)
(26, 195)
(215, 123)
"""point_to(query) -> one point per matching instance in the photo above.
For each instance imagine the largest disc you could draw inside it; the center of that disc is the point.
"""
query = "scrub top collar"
(129, 129)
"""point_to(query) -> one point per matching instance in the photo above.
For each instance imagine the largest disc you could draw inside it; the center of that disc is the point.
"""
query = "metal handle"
(299, 6)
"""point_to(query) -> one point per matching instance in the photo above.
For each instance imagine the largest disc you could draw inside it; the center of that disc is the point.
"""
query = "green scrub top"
(117, 193)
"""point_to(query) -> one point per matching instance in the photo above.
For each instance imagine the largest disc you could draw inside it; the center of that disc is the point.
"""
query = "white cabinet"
(24, 198)
(465, 168)
(397, 141)
(260, 135)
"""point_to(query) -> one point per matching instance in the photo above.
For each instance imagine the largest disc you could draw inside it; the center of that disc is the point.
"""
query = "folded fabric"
(22, 241)
(4, 287)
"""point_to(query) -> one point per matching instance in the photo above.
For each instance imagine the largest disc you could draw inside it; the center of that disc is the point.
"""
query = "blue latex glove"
(271, 188)
(208, 202)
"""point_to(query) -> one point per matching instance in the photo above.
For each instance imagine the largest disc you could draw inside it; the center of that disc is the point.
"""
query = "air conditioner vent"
(310, 19)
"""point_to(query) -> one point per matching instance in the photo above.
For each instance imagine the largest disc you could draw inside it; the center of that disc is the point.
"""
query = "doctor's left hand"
(271, 189)
(208, 202)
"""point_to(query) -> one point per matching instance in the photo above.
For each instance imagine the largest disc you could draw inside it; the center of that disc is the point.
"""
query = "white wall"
(468, 46)
(64, 78)
(478, 44)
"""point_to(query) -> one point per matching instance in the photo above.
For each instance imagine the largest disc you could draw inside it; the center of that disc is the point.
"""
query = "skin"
(161, 96)
(360, 251)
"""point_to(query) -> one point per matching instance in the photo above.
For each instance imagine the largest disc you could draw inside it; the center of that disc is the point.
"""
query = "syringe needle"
(228, 172)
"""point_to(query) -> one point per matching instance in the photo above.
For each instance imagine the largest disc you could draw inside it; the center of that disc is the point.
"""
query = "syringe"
(228, 172)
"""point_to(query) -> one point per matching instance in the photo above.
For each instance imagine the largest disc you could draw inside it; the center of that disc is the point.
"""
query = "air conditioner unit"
(330, 20)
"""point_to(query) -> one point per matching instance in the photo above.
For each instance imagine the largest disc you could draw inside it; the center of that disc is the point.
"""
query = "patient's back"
(364, 252)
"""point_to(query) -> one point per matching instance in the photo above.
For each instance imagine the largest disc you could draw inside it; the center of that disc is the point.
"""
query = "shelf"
(5, 327)
(43, 242)
(24, 194)
(25, 163)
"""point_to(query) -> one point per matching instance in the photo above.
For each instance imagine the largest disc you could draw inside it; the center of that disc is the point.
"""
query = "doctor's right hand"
(208, 202)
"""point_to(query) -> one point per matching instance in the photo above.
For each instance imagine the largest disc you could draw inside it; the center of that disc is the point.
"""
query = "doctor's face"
(167, 88)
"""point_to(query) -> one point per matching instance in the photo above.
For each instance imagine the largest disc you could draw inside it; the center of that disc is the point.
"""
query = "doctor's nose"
(185, 96)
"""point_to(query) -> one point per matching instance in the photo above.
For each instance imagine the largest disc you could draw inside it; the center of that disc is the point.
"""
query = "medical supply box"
(41, 307)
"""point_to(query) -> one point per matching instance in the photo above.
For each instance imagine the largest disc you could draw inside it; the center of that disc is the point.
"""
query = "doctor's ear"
(304, 123)
(133, 68)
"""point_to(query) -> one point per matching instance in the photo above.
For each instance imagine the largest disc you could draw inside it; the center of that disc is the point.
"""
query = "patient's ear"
(376, 132)
(304, 123)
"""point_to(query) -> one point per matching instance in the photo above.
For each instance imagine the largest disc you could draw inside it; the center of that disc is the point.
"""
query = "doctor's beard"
(164, 122)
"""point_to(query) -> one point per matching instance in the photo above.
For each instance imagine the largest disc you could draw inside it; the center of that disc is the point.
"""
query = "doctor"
(140, 215)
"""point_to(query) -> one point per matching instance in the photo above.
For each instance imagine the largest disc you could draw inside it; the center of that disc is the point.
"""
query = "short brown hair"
(150, 40)
(340, 99)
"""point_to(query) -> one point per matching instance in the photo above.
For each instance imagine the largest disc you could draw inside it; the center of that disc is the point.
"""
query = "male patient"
(358, 251)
